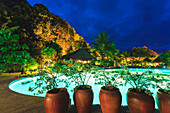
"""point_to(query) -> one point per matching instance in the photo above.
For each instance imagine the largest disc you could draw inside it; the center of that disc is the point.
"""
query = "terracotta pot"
(83, 99)
(56, 102)
(110, 101)
(163, 101)
(140, 103)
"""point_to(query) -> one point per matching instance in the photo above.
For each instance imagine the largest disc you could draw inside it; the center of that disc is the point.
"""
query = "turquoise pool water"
(18, 87)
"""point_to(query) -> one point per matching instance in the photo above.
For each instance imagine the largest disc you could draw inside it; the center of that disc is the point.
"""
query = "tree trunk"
(117, 63)
(102, 55)
(114, 63)
(132, 63)
(126, 61)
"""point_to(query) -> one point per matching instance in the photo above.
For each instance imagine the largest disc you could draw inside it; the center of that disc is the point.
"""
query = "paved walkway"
(11, 102)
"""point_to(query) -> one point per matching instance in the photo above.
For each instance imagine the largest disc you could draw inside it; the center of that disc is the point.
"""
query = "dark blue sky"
(132, 23)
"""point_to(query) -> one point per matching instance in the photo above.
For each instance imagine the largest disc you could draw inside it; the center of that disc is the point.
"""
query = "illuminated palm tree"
(103, 46)
(125, 55)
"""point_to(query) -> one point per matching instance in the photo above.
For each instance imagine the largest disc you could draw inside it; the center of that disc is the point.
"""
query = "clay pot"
(140, 103)
(110, 101)
(55, 102)
(163, 101)
(83, 99)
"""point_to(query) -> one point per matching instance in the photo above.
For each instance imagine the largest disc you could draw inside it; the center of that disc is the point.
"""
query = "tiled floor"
(11, 102)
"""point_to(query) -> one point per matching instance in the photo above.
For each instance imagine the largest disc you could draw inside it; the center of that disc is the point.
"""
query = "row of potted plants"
(139, 97)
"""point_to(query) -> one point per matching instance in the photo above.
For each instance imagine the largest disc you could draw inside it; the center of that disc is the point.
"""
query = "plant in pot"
(139, 97)
(80, 74)
(110, 96)
(163, 94)
(56, 99)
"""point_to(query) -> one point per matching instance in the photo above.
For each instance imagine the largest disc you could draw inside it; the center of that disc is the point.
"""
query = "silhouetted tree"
(103, 46)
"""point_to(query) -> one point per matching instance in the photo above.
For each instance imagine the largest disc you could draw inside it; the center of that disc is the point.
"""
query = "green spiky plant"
(162, 82)
(109, 79)
(48, 79)
(141, 81)
(79, 73)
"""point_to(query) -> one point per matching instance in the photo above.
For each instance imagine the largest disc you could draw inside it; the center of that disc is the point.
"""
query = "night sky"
(131, 23)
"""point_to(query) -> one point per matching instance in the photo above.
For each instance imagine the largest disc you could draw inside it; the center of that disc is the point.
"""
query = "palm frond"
(94, 43)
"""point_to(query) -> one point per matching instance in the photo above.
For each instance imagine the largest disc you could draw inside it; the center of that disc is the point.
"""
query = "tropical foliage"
(140, 52)
(147, 60)
(165, 57)
(48, 37)
(37, 26)
(109, 79)
(31, 64)
(141, 82)
(48, 79)
(12, 54)
(104, 47)
(163, 82)
(78, 72)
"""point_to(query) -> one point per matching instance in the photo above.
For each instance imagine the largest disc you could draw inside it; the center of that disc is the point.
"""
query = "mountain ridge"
(38, 25)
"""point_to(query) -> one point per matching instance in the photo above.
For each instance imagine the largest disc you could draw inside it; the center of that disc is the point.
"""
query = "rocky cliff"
(38, 25)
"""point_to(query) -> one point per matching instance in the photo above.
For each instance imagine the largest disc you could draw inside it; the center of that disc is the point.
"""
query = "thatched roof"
(157, 60)
(151, 52)
(80, 54)
(68, 56)
(147, 60)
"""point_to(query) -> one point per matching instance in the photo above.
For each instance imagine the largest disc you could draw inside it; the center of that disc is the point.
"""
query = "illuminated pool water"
(18, 87)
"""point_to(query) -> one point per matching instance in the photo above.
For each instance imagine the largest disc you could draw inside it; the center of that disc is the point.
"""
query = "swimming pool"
(18, 87)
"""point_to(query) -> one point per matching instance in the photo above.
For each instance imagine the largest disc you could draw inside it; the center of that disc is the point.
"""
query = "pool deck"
(12, 102)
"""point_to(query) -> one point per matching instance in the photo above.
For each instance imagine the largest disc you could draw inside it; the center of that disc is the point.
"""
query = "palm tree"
(165, 57)
(140, 52)
(103, 46)
(125, 55)
(147, 60)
